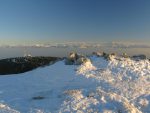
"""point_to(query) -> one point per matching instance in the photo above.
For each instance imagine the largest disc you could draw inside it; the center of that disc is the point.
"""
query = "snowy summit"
(98, 85)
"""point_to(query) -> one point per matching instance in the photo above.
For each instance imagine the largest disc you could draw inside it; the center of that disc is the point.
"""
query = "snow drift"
(119, 85)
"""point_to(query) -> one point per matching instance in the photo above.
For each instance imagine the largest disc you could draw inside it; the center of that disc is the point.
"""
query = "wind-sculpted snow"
(127, 78)
(120, 85)
(7, 109)
(97, 101)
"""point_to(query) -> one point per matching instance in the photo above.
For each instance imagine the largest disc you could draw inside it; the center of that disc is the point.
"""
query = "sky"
(59, 21)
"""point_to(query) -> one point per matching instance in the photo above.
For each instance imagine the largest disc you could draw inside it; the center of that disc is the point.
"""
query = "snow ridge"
(125, 77)
(119, 85)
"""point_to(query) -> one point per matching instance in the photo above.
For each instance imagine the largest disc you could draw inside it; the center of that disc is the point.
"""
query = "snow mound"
(7, 109)
(86, 68)
(97, 101)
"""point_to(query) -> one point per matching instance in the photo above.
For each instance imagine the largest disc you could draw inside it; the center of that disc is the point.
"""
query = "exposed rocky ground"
(24, 64)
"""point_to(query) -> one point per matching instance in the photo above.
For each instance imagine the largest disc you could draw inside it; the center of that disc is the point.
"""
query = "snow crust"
(120, 85)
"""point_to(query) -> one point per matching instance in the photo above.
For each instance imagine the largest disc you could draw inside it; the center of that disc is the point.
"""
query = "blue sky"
(49, 21)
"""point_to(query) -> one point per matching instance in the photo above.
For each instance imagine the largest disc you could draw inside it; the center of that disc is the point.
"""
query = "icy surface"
(121, 85)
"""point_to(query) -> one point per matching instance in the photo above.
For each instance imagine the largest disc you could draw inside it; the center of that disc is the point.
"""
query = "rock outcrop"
(76, 59)
(139, 57)
(24, 64)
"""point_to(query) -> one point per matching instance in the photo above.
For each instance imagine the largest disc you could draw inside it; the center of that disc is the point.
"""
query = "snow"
(119, 85)
(6, 109)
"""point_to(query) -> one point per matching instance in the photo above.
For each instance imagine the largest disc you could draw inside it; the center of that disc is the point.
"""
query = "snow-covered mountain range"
(83, 45)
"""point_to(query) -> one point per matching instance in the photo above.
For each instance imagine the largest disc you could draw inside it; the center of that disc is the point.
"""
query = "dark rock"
(38, 98)
(69, 61)
(106, 56)
(113, 54)
(124, 55)
(98, 54)
(24, 64)
(73, 56)
(139, 57)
